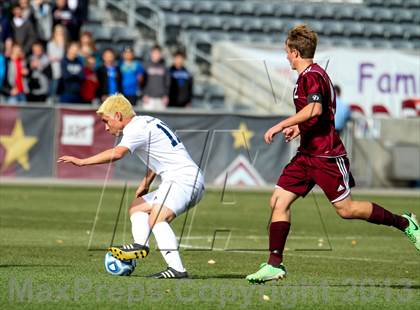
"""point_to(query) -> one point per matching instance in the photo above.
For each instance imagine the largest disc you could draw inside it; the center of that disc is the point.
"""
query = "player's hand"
(291, 133)
(71, 160)
(269, 135)
(142, 190)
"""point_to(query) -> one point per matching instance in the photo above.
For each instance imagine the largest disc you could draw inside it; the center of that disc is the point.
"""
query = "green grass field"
(45, 262)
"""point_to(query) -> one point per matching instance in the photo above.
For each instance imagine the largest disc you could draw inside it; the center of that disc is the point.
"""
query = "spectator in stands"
(72, 75)
(17, 73)
(26, 8)
(90, 84)
(6, 37)
(132, 73)
(23, 30)
(88, 47)
(42, 12)
(2, 70)
(79, 9)
(181, 89)
(156, 83)
(39, 74)
(63, 15)
(342, 111)
(56, 49)
(109, 75)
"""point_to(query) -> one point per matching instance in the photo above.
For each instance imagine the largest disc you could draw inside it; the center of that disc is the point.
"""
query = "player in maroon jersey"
(321, 158)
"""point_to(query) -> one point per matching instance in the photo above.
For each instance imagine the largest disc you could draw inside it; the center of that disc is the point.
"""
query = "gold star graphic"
(17, 146)
(242, 136)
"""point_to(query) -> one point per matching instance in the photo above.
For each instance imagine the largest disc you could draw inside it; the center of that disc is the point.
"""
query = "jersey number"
(295, 96)
(174, 139)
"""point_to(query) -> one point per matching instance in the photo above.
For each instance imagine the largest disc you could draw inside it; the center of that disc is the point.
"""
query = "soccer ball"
(118, 267)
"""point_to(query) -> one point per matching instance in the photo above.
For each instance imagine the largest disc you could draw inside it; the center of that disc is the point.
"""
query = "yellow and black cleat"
(129, 251)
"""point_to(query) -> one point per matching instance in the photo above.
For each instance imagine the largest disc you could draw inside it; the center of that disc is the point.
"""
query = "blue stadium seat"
(395, 3)
(219, 36)
(374, 3)
(394, 31)
(285, 10)
(265, 10)
(224, 8)
(384, 15)
(381, 43)
(411, 32)
(244, 8)
(343, 42)
(95, 16)
(361, 43)
(233, 24)
(273, 25)
(412, 4)
(165, 5)
(201, 36)
(402, 44)
(354, 29)
(344, 12)
(102, 34)
(191, 22)
(404, 16)
(183, 7)
(253, 25)
(325, 12)
(364, 14)
(374, 30)
(317, 26)
(304, 11)
(204, 7)
(172, 19)
(333, 28)
(121, 35)
(212, 23)
(416, 17)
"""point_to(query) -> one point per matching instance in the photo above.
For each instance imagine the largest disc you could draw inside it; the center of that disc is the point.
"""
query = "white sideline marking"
(349, 258)
(251, 237)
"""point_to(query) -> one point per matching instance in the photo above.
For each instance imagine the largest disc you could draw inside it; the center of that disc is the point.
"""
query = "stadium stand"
(199, 24)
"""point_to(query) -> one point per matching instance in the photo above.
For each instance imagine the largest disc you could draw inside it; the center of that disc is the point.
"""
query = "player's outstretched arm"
(107, 156)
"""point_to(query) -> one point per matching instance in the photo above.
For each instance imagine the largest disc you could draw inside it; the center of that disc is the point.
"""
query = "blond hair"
(303, 39)
(116, 103)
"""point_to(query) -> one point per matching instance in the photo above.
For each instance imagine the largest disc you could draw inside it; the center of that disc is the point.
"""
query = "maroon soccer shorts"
(331, 174)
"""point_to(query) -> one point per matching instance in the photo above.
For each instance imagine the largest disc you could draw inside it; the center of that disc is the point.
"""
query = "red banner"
(82, 134)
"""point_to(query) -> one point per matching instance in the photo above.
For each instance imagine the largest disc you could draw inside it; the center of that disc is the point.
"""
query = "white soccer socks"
(168, 245)
(140, 227)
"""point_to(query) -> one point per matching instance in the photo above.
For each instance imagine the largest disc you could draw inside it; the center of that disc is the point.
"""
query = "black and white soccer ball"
(118, 267)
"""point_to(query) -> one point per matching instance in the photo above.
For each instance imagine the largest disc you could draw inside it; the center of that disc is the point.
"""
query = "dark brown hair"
(303, 39)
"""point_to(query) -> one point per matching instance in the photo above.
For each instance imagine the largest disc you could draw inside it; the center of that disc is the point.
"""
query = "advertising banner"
(81, 133)
(365, 76)
(26, 141)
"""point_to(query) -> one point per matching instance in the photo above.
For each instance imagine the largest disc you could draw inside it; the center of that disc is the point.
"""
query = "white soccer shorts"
(176, 196)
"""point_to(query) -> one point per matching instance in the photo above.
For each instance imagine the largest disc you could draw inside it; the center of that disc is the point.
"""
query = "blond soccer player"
(181, 188)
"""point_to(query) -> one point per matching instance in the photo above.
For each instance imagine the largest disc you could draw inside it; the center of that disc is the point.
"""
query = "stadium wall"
(228, 147)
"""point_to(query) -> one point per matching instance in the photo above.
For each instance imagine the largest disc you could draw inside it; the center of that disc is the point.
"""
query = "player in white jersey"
(164, 154)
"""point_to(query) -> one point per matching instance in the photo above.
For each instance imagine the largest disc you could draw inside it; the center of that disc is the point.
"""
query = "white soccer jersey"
(160, 149)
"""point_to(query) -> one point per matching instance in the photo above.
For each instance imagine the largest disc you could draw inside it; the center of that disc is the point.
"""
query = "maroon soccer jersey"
(318, 136)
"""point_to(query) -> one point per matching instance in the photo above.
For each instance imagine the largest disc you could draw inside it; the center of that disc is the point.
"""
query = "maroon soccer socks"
(277, 240)
(381, 216)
